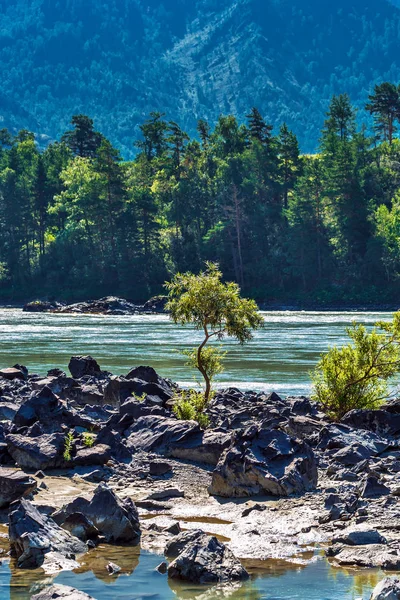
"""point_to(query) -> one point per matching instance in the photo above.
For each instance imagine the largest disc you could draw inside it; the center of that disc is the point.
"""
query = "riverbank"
(112, 305)
(272, 478)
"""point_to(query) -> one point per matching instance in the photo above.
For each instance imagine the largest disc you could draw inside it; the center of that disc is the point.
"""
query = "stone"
(158, 433)
(369, 556)
(159, 467)
(99, 454)
(80, 526)
(175, 546)
(206, 560)
(12, 373)
(13, 485)
(162, 568)
(167, 493)
(382, 422)
(112, 568)
(42, 452)
(265, 462)
(373, 488)
(117, 520)
(79, 366)
(360, 538)
(204, 447)
(42, 406)
(387, 589)
(61, 592)
(33, 535)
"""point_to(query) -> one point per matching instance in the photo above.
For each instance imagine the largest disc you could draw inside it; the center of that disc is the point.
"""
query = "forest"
(78, 222)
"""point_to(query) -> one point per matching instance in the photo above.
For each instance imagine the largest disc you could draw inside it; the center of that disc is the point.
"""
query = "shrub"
(356, 375)
(190, 405)
(68, 443)
(88, 439)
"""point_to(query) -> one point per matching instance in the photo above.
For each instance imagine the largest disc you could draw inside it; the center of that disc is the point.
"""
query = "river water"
(278, 359)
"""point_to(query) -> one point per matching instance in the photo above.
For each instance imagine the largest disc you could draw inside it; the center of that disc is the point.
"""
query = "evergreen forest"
(78, 222)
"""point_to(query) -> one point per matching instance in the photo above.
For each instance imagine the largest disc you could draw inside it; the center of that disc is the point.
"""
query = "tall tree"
(384, 105)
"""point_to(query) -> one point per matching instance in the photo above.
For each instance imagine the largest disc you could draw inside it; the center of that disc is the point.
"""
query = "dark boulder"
(265, 462)
(42, 406)
(13, 485)
(117, 520)
(12, 373)
(373, 488)
(203, 446)
(381, 422)
(33, 535)
(42, 452)
(159, 434)
(80, 526)
(99, 454)
(175, 546)
(79, 366)
(206, 560)
(360, 538)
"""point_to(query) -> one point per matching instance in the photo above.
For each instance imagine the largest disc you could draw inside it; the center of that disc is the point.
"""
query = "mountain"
(117, 60)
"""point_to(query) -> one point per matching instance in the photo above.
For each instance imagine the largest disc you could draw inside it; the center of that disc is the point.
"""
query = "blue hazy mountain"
(117, 60)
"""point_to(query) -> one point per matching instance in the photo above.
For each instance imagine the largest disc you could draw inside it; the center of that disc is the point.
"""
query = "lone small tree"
(356, 375)
(215, 308)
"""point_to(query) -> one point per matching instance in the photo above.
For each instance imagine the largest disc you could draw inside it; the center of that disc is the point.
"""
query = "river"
(278, 359)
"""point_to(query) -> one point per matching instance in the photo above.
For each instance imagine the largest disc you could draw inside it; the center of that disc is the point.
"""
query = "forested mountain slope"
(118, 59)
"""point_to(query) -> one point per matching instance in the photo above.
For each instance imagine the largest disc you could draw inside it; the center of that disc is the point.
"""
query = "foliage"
(77, 222)
(356, 375)
(88, 439)
(189, 405)
(68, 446)
(216, 309)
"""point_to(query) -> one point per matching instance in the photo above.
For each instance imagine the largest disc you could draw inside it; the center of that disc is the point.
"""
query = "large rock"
(79, 366)
(39, 453)
(42, 406)
(360, 538)
(382, 422)
(368, 556)
(13, 485)
(387, 589)
(117, 520)
(12, 373)
(61, 592)
(206, 560)
(265, 462)
(33, 535)
(159, 434)
(99, 454)
(204, 447)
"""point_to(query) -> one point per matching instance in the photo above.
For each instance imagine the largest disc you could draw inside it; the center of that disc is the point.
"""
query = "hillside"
(119, 59)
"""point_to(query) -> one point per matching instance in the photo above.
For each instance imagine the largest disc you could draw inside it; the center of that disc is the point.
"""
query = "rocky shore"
(89, 458)
(110, 305)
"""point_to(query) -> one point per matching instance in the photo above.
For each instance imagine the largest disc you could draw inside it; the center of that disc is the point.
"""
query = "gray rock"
(61, 592)
(13, 485)
(205, 561)
(374, 488)
(175, 546)
(270, 463)
(12, 373)
(99, 454)
(360, 538)
(117, 520)
(80, 526)
(79, 366)
(204, 447)
(387, 589)
(42, 452)
(158, 434)
(33, 535)
(382, 422)
(370, 556)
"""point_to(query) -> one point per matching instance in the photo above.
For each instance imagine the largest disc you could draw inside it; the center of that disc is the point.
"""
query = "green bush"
(88, 439)
(356, 376)
(68, 444)
(190, 405)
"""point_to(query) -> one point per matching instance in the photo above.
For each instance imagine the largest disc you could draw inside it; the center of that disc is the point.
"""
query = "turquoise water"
(140, 581)
(279, 358)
